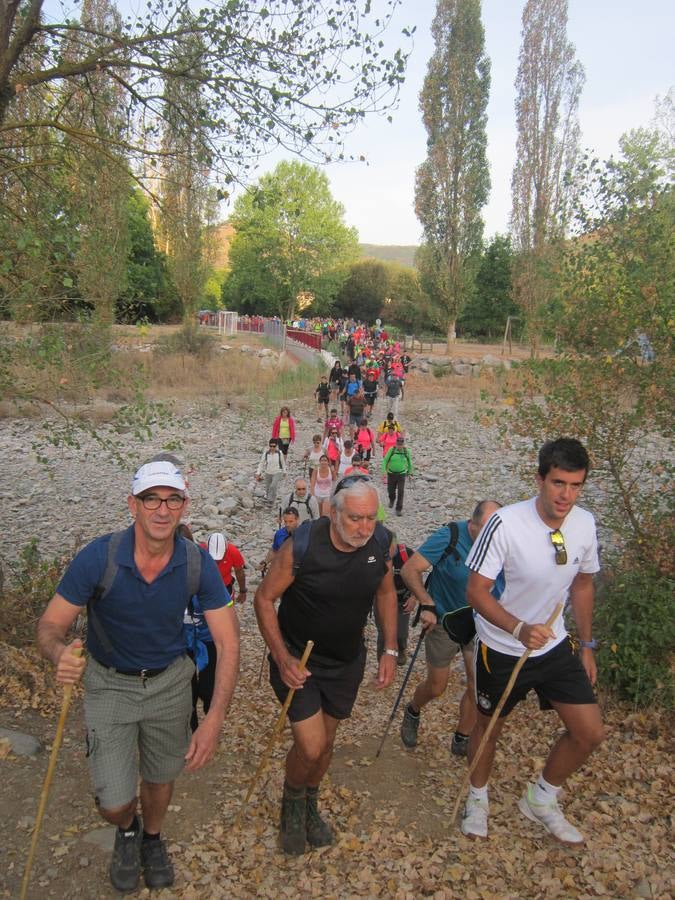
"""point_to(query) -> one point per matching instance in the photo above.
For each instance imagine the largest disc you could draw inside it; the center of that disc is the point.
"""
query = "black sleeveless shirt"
(331, 597)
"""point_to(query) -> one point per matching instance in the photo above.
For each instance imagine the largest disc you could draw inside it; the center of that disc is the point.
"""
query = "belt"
(134, 673)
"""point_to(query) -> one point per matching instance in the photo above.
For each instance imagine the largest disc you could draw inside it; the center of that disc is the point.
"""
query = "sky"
(626, 49)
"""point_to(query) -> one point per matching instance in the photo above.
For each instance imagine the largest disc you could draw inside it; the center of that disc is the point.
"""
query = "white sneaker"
(550, 816)
(475, 818)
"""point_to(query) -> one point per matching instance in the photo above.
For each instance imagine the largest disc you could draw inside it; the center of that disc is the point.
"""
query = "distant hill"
(405, 255)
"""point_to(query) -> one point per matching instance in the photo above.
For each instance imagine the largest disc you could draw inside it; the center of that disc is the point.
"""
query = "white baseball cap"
(217, 545)
(157, 474)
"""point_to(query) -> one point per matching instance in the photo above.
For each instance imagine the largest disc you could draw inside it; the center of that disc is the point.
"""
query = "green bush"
(636, 627)
(33, 582)
(190, 340)
(438, 371)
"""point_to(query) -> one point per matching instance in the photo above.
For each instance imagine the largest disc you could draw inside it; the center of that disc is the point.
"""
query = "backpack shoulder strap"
(102, 589)
(382, 537)
(194, 569)
(301, 537)
(452, 544)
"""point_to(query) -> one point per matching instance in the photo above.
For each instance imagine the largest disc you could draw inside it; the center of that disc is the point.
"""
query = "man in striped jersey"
(547, 550)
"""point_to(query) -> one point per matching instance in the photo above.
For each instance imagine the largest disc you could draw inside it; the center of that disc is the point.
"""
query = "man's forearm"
(51, 641)
(387, 611)
(414, 581)
(581, 599)
(227, 671)
(269, 626)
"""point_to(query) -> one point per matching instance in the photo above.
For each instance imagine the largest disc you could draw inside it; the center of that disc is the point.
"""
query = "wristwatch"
(391, 652)
(590, 645)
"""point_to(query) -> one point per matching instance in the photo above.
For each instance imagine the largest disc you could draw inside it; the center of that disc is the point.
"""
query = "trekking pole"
(495, 715)
(400, 693)
(65, 705)
(262, 664)
(273, 737)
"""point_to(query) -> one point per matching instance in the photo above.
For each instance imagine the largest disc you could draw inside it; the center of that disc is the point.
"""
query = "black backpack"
(293, 501)
(194, 572)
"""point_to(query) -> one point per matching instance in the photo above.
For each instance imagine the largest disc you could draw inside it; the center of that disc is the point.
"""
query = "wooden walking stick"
(495, 715)
(262, 664)
(65, 705)
(281, 721)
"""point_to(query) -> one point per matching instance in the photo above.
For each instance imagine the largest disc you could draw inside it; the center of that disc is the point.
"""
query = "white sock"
(478, 793)
(543, 791)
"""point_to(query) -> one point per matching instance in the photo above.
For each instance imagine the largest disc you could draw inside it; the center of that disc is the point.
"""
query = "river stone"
(22, 744)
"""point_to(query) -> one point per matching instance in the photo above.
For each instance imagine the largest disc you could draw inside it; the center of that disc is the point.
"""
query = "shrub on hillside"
(635, 625)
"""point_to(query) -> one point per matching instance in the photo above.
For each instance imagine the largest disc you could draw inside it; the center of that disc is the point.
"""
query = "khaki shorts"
(439, 649)
(135, 727)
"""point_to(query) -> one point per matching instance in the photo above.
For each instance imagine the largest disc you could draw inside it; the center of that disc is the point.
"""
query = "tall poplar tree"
(453, 183)
(548, 85)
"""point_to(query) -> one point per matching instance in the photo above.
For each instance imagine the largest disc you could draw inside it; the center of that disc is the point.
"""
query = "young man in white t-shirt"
(547, 549)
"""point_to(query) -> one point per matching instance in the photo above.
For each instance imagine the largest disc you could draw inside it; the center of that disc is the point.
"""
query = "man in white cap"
(138, 699)
(229, 559)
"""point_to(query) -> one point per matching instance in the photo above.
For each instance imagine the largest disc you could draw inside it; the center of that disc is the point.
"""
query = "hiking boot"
(125, 865)
(293, 829)
(401, 658)
(391, 504)
(399, 512)
(319, 832)
(475, 818)
(157, 868)
(459, 746)
(409, 726)
(550, 816)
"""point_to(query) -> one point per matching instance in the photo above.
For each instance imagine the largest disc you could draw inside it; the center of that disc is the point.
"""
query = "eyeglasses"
(349, 481)
(558, 542)
(153, 501)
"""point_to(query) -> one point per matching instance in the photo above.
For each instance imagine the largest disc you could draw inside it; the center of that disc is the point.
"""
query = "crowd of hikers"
(490, 586)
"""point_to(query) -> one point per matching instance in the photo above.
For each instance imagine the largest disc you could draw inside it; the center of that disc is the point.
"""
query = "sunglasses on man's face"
(558, 542)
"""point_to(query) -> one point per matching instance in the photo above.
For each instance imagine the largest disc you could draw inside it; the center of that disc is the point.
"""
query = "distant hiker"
(283, 429)
(389, 420)
(397, 465)
(322, 395)
(392, 391)
(231, 564)
(311, 456)
(302, 501)
(271, 468)
(321, 484)
(333, 423)
(364, 440)
(335, 380)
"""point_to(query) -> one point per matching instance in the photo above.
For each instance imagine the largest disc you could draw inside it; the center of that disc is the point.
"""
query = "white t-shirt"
(345, 462)
(516, 541)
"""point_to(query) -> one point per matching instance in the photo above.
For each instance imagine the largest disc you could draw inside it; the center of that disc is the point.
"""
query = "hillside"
(403, 253)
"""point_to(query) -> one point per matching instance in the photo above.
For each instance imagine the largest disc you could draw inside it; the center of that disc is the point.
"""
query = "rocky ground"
(392, 815)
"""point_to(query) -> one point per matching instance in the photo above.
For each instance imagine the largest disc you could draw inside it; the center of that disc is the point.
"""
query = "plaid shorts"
(136, 727)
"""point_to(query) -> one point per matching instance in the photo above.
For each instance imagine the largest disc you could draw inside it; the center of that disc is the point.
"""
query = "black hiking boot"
(157, 868)
(409, 726)
(293, 830)
(125, 865)
(319, 832)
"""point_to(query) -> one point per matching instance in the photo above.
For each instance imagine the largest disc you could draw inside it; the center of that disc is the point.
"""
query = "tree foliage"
(453, 183)
(290, 243)
(364, 291)
(613, 383)
(264, 75)
(548, 86)
(491, 303)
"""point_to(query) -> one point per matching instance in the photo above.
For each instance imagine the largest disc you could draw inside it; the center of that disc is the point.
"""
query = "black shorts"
(556, 677)
(370, 399)
(331, 690)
